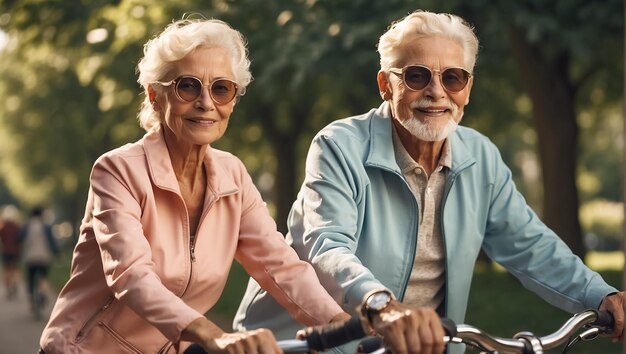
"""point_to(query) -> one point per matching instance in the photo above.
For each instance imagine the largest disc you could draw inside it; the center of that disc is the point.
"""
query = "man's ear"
(383, 85)
(469, 89)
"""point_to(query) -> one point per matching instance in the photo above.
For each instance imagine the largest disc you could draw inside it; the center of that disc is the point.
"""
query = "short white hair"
(420, 24)
(176, 41)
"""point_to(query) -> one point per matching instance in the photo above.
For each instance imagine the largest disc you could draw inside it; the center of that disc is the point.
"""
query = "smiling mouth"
(433, 110)
(205, 122)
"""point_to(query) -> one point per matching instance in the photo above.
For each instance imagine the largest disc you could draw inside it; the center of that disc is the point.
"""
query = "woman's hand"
(258, 341)
(340, 317)
(215, 341)
(408, 329)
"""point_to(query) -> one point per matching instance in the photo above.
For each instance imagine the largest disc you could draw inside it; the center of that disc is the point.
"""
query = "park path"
(19, 330)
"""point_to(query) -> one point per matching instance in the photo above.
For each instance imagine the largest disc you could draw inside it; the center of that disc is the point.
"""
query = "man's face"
(433, 112)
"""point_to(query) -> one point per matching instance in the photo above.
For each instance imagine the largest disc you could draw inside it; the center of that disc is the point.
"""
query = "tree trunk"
(285, 179)
(553, 102)
(284, 142)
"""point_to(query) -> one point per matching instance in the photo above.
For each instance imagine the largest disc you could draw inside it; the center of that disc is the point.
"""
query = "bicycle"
(592, 322)
(40, 291)
(38, 300)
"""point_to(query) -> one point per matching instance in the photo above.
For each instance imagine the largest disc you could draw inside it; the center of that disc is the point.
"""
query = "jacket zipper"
(192, 246)
(413, 244)
(90, 322)
(192, 241)
(443, 236)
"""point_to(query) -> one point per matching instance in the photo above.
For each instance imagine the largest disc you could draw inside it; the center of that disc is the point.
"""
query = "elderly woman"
(167, 215)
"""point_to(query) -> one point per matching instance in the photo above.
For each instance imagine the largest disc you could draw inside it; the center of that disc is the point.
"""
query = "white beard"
(429, 131)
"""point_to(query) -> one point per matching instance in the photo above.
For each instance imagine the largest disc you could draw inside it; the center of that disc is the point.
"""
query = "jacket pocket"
(91, 321)
(166, 348)
(119, 339)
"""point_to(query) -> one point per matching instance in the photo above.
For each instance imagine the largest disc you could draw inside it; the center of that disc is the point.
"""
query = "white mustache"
(424, 103)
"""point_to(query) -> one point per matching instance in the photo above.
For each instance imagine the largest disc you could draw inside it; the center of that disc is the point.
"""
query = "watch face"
(378, 301)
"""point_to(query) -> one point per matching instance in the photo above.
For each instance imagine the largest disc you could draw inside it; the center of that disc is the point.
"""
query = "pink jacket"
(136, 281)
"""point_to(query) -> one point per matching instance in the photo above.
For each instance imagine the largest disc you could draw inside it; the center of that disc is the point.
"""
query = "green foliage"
(600, 170)
(586, 39)
(70, 89)
(69, 83)
(60, 268)
(603, 218)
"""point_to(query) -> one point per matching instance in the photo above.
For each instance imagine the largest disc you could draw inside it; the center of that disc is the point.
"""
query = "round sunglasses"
(417, 77)
(189, 88)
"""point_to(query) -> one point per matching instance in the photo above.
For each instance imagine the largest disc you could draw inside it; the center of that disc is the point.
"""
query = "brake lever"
(590, 334)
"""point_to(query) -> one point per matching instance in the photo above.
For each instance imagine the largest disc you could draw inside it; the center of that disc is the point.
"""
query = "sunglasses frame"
(177, 81)
(401, 72)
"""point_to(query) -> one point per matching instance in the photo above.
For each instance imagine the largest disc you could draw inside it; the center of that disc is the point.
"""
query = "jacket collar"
(160, 167)
(461, 157)
(381, 153)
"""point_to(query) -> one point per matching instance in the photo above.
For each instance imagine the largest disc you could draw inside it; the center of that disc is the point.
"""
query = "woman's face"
(201, 121)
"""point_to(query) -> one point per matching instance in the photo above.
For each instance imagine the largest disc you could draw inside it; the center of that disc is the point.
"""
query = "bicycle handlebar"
(526, 342)
(322, 338)
(325, 337)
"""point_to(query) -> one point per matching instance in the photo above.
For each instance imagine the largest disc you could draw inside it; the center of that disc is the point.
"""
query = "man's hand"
(410, 330)
(615, 304)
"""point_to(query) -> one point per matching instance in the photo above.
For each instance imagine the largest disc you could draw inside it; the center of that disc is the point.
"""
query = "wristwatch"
(375, 302)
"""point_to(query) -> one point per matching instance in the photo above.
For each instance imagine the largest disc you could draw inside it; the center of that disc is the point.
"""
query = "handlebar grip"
(449, 327)
(322, 338)
(604, 319)
(370, 344)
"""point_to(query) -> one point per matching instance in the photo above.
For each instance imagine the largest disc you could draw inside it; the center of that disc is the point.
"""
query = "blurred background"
(548, 91)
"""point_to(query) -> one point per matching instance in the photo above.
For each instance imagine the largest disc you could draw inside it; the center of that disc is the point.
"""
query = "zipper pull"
(193, 253)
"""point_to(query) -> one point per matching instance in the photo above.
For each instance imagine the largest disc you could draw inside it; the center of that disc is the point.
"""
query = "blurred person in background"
(39, 247)
(9, 231)
(167, 215)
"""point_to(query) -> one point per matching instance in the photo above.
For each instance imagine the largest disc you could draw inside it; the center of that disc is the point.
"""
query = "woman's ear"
(383, 86)
(152, 96)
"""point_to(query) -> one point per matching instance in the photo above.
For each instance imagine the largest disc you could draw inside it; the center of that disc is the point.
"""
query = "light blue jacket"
(356, 220)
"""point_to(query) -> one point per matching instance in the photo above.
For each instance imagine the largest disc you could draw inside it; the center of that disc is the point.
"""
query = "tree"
(68, 80)
(302, 80)
(556, 46)
(70, 91)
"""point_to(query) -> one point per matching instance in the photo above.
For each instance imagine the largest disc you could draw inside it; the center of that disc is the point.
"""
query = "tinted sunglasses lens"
(417, 77)
(223, 91)
(454, 79)
(188, 88)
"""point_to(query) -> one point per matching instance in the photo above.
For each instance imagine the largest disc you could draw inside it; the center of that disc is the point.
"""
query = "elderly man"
(399, 201)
